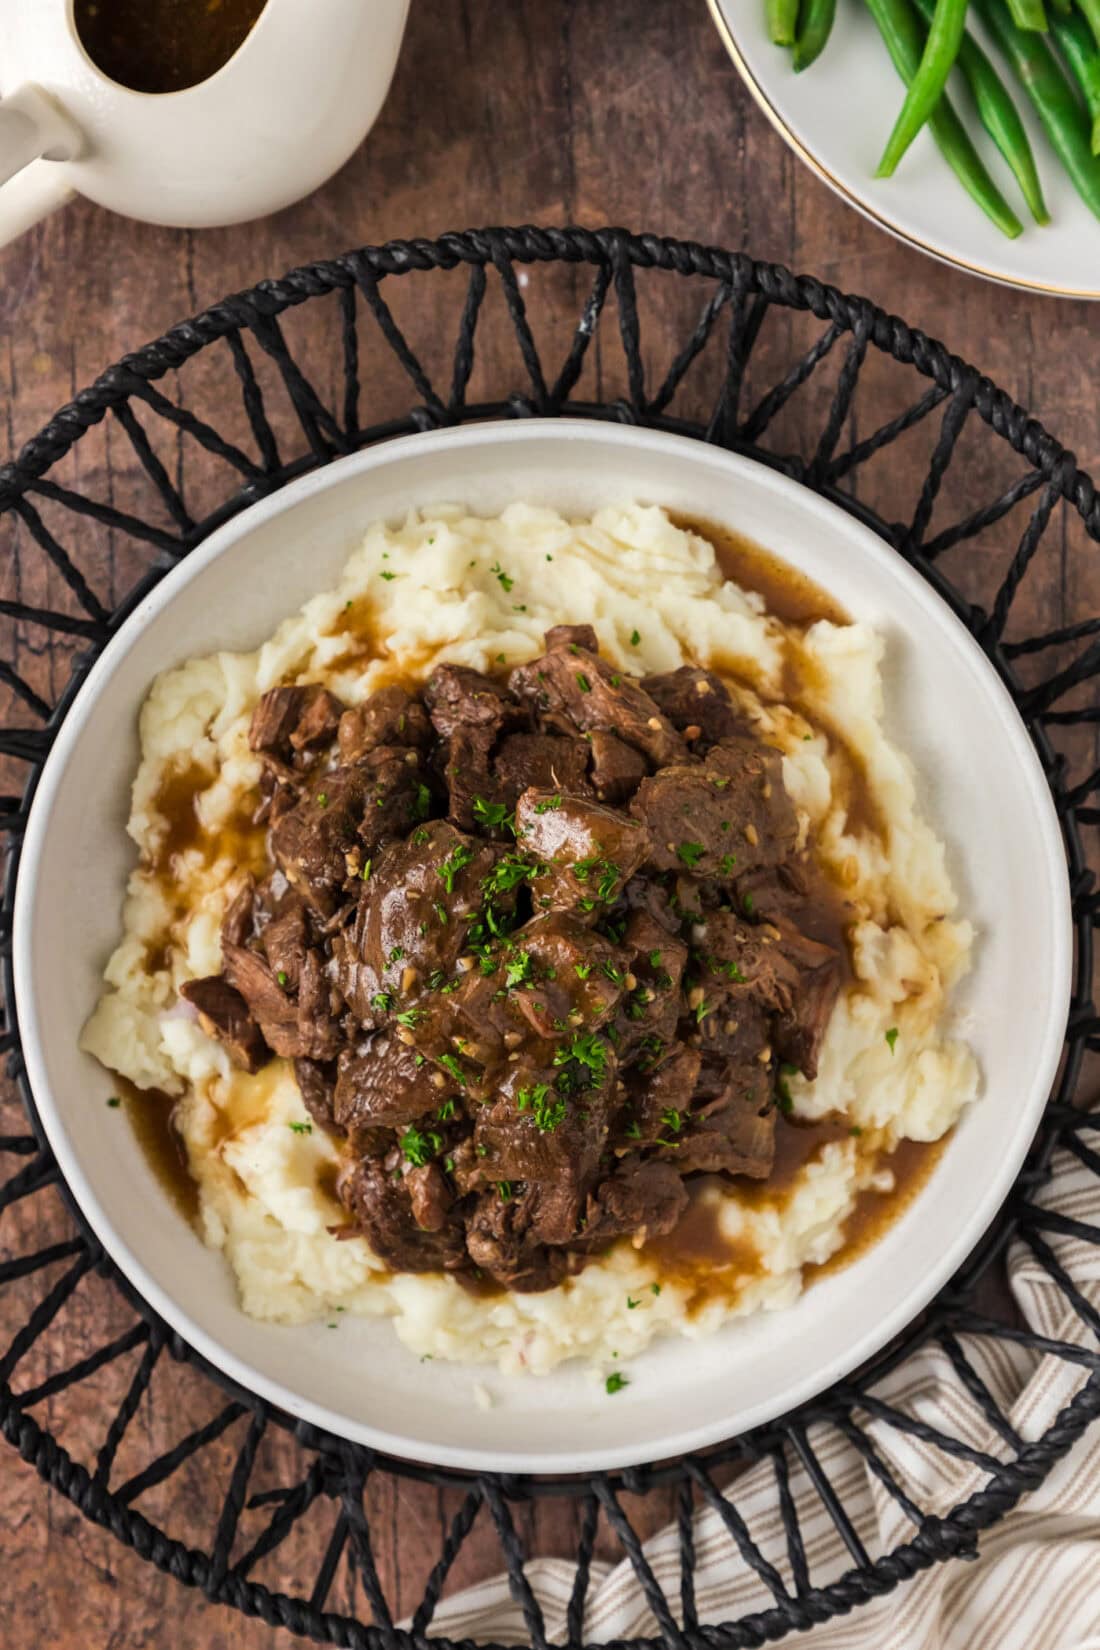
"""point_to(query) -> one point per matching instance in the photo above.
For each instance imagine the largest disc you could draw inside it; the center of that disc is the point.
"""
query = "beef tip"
(617, 769)
(573, 682)
(501, 1241)
(546, 761)
(318, 722)
(646, 1017)
(346, 814)
(429, 1197)
(293, 1027)
(800, 1028)
(640, 1199)
(730, 1131)
(461, 698)
(656, 899)
(284, 940)
(563, 976)
(534, 1132)
(288, 719)
(389, 717)
(382, 1209)
(569, 636)
(697, 702)
(398, 932)
(224, 1014)
(471, 784)
(380, 1084)
(766, 983)
(727, 815)
(316, 1085)
(483, 787)
(590, 851)
(237, 922)
(659, 1098)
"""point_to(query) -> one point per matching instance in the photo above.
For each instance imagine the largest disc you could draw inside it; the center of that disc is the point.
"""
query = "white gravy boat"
(277, 119)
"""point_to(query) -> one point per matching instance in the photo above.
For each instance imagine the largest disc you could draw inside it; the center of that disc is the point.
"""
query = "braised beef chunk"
(617, 769)
(459, 699)
(388, 717)
(381, 1083)
(316, 1084)
(539, 951)
(224, 1014)
(697, 703)
(383, 1211)
(728, 815)
(574, 682)
(290, 719)
(590, 851)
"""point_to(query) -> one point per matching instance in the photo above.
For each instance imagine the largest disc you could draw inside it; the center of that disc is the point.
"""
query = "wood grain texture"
(502, 111)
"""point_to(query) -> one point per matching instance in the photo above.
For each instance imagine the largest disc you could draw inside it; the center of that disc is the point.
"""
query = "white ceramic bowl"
(981, 783)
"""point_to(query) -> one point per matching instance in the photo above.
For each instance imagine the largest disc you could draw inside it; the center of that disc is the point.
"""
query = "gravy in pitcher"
(163, 45)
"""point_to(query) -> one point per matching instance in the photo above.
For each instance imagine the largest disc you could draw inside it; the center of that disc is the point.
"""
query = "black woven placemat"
(230, 388)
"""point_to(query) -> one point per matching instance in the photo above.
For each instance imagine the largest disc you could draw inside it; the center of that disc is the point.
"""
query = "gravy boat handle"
(33, 129)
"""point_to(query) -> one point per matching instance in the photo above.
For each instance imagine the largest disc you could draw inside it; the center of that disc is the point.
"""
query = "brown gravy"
(163, 45)
(177, 802)
(151, 1116)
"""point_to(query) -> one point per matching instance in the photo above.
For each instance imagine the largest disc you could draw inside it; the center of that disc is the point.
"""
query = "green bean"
(1053, 98)
(1029, 14)
(815, 25)
(901, 32)
(999, 116)
(782, 21)
(926, 86)
(1091, 9)
(1075, 42)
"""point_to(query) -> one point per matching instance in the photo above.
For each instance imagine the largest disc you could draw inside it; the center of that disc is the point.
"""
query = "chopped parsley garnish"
(726, 864)
(365, 872)
(505, 582)
(633, 1130)
(582, 970)
(282, 976)
(701, 1012)
(672, 1120)
(615, 975)
(730, 970)
(891, 1038)
(450, 1063)
(396, 954)
(504, 1190)
(585, 1050)
(322, 799)
(491, 813)
(520, 971)
(749, 903)
(583, 683)
(547, 1109)
(631, 1303)
(783, 1089)
(655, 1288)
(114, 1102)
(855, 1129)
(548, 804)
(615, 680)
(507, 874)
(615, 1382)
(654, 959)
(446, 1111)
(419, 1146)
(690, 853)
(387, 576)
(410, 1017)
(382, 1000)
(635, 638)
(300, 1128)
(452, 866)
(422, 807)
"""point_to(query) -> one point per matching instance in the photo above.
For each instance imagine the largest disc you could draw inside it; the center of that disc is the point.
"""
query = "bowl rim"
(151, 1292)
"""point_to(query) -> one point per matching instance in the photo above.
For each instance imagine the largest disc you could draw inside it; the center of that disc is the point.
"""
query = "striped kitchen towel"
(1036, 1582)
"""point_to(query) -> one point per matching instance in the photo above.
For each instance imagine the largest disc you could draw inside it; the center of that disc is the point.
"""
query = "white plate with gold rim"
(983, 788)
(837, 115)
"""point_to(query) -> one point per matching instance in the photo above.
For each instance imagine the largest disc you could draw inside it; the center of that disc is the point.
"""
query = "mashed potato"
(450, 587)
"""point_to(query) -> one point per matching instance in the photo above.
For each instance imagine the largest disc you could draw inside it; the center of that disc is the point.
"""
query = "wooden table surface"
(502, 111)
